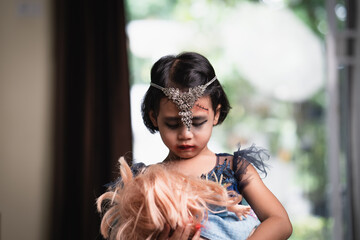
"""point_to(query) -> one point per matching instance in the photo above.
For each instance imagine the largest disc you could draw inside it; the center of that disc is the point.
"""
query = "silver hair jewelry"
(185, 100)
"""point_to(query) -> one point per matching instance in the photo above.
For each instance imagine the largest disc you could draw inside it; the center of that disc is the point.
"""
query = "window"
(271, 58)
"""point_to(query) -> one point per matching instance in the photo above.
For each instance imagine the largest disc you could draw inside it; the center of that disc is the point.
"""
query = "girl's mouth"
(186, 147)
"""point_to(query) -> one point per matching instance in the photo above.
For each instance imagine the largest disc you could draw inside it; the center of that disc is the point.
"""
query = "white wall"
(25, 101)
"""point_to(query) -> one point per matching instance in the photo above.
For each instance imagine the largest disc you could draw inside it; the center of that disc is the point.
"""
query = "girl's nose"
(185, 133)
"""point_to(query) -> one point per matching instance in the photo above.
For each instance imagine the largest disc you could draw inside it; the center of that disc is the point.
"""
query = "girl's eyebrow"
(200, 118)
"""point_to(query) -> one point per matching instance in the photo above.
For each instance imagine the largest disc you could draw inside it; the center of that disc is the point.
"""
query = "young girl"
(183, 103)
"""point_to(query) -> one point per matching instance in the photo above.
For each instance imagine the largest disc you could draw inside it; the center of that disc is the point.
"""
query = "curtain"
(91, 113)
(353, 23)
(343, 49)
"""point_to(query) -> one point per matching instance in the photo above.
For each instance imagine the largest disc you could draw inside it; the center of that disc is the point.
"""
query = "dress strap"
(217, 159)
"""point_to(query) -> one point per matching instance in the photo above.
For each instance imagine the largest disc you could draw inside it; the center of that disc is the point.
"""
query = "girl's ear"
(217, 114)
(153, 118)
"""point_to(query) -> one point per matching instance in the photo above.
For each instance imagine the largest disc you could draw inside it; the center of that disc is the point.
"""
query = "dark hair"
(183, 71)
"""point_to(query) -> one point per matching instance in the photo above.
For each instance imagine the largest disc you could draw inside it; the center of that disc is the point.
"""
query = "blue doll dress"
(222, 224)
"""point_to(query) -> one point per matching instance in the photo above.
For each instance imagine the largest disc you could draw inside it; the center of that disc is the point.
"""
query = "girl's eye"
(172, 126)
(196, 124)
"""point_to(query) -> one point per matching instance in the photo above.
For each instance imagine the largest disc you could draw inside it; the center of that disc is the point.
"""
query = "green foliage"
(150, 9)
(311, 228)
(311, 150)
(312, 12)
(142, 66)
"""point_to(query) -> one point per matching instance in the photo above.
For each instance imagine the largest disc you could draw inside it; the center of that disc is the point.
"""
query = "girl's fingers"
(181, 233)
(177, 234)
(197, 235)
(186, 232)
(165, 233)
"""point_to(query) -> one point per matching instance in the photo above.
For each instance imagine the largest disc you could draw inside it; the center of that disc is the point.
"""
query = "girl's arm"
(275, 223)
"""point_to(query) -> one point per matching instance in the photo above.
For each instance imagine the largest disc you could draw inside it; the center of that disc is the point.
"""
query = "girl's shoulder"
(241, 158)
(230, 168)
(252, 155)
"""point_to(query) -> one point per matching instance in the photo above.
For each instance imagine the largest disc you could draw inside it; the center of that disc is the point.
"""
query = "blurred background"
(72, 78)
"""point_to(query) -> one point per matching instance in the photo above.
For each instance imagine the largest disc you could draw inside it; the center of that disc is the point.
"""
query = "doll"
(138, 207)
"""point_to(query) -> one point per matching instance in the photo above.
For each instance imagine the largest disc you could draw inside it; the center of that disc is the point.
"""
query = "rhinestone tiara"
(185, 100)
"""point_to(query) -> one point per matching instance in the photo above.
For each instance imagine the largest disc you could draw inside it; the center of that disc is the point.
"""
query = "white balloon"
(275, 51)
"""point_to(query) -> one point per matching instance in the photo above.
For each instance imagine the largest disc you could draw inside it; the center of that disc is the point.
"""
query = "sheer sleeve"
(244, 157)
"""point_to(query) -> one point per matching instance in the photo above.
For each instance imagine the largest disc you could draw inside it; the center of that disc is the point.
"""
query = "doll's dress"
(229, 170)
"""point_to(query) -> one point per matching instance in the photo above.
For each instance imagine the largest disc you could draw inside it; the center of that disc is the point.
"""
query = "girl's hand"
(275, 223)
(181, 233)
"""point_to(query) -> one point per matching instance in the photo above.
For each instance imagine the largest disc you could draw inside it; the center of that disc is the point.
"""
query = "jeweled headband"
(185, 100)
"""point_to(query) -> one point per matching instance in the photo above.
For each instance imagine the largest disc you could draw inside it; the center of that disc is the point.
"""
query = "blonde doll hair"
(138, 207)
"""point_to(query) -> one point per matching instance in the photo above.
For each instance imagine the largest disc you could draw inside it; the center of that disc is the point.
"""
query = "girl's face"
(184, 143)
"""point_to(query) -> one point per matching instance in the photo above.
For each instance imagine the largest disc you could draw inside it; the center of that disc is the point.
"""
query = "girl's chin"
(182, 155)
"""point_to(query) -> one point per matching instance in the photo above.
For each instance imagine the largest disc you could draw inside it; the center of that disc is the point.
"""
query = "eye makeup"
(199, 124)
(172, 126)
(174, 123)
(177, 125)
(199, 121)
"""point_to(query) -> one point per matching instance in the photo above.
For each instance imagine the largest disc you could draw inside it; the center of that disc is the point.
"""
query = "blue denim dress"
(227, 225)
(229, 169)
